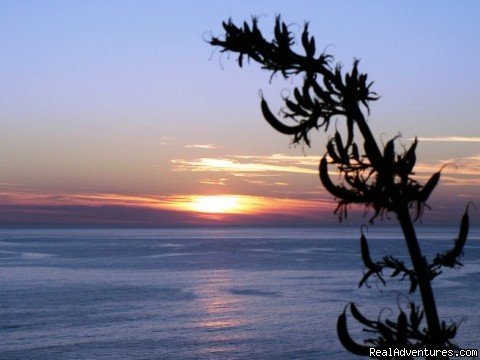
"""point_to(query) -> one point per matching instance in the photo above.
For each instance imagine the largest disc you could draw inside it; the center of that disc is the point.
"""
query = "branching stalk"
(379, 179)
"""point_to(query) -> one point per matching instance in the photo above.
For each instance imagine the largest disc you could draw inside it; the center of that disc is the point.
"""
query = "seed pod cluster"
(405, 163)
(356, 83)
(404, 332)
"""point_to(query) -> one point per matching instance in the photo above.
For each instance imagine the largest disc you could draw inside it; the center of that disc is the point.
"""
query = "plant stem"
(418, 261)
(421, 270)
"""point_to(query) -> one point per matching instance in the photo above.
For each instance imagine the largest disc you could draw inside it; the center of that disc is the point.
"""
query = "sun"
(216, 204)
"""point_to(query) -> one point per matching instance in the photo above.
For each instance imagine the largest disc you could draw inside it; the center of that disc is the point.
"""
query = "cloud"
(459, 171)
(201, 146)
(166, 140)
(221, 182)
(246, 164)
(93, 199)
(9, 185)
(449, 139)
(265, 183)
(282, 159)
(253, 175)
(85, 215)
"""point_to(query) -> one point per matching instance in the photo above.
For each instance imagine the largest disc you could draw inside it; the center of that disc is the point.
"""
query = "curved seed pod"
(346, 340)
(325, 179)
(329, 84)
(367, 260)
(360, 318)
(311, 49)
(396, 272)
(301, 100)
(402, 324)
(304, 99)
(365, 277)
(226, 25)
(332, 153)
(355, 153)
(416, 316)
(286, 34)
(391, 324)
(463, 233)
(450, 258)
(451, 331)
(347, 80)
(305, 41)
(303, 135)
(347, 196)
(349, 132)
(296, 109)
(386, 332)
(275, 123)
(410, 157)
(427, 189)
(362, 79)
(406, 162)
(355, 70)
(308, 103)
(276, 30)
(338, 77)
(341, 149)
(389, 158)
(323, 95)
(371, 151)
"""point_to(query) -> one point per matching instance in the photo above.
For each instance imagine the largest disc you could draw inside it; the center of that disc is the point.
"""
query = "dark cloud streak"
(14, 215)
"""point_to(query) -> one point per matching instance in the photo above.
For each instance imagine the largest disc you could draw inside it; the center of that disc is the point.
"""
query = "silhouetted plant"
(380, 179)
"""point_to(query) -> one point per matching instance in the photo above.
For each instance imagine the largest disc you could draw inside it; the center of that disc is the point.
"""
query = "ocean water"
(233, 293)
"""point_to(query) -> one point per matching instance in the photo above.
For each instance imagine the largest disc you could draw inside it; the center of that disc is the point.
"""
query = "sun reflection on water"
(222, 323)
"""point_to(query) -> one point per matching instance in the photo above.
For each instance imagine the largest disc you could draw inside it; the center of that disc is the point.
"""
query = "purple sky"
(120, 113)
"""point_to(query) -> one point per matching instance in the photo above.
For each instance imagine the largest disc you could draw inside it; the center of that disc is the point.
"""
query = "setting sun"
(219, 204)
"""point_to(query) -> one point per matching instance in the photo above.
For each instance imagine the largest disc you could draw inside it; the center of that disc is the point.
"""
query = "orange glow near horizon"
(221, 204)
(243, 204)
(215, 206)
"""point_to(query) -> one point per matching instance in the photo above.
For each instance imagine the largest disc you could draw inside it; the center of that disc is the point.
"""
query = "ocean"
(208, 293)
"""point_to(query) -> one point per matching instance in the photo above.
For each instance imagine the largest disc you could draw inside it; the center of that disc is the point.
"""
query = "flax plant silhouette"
(381, 179)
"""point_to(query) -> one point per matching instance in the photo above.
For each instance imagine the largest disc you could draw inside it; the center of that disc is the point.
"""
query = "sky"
(119, 113)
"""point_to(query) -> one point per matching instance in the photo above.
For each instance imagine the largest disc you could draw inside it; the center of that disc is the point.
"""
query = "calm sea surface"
(206, 293)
